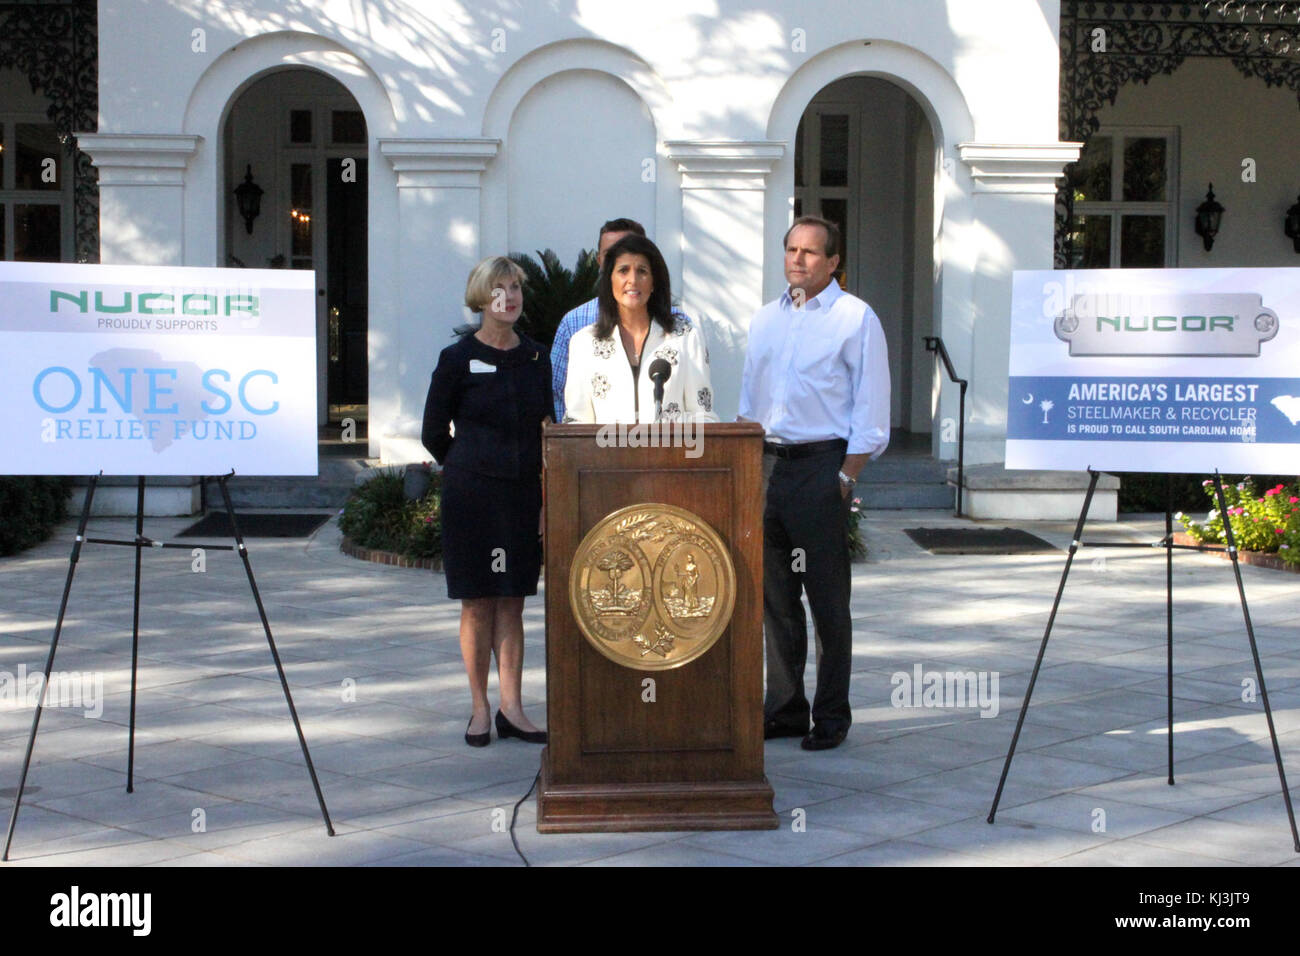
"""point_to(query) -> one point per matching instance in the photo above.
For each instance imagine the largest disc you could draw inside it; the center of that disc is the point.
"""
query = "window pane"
(1142, 242)
(1090, 241)
(1089, 178)
(36, 233)
(798, 155)
(836, 210)
(300, 126)
(349, 126)
(1144, 169)
(37, 144)
(835, 150)
(300, 213)
(798, 207)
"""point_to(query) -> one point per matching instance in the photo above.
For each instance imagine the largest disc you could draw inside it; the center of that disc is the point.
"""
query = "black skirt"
(490, 546)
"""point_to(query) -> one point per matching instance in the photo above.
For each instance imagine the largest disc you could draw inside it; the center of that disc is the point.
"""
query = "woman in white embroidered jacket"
(610, 362)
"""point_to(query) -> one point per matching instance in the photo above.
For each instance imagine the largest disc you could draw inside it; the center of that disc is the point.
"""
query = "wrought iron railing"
(935, 344)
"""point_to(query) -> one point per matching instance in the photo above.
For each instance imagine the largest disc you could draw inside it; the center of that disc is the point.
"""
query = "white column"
(142, 222)
(723, 189)
(438, 195)
(1013, 207)
(141, 195)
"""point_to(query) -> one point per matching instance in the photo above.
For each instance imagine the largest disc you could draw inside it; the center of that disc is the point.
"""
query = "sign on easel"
(145, 370)
(1160, 370)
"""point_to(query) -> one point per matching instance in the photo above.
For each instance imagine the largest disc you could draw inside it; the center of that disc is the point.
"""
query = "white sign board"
(149, 370)
(1162, 370)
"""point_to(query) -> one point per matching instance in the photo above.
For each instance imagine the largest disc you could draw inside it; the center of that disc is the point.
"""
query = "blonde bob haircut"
(486, 276)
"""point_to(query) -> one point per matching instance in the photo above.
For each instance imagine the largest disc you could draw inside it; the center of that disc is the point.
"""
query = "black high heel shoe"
(506, 729)
(478, 740)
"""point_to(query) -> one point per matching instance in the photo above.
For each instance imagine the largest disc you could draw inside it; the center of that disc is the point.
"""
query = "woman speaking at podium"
(639, 344)
(495, 386)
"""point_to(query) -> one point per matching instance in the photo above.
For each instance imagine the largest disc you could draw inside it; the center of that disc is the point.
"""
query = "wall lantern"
(248, 195)
(1208, 216)
(1291, 225)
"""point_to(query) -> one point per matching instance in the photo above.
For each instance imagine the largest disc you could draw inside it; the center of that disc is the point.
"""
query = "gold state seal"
(652, 586)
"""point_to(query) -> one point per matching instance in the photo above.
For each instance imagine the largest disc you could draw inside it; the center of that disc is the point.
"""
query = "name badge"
(477, 366)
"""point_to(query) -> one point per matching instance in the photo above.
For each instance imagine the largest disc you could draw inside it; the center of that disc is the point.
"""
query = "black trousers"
(805, 548)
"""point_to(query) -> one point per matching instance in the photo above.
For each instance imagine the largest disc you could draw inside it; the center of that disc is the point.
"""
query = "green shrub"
(857, 547)
(551, 290)
(30, 507)
(379, 516)
(1269, 522)
(1144, 492)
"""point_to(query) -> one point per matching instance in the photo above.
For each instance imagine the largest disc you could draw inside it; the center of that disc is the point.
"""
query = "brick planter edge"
(1258, 558)
(388, 557)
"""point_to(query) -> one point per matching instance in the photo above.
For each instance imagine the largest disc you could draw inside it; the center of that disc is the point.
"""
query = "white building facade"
(398, 142)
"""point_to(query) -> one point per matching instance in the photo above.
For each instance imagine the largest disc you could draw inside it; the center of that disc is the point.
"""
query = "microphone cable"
(514, 816)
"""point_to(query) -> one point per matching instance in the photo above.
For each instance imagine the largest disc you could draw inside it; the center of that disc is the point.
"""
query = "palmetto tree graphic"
(615, 564)
(1046, 405)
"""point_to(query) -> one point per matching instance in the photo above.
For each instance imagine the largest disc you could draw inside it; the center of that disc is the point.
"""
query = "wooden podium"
(691, 759)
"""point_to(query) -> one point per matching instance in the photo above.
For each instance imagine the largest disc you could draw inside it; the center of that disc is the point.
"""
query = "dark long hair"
(661, 297)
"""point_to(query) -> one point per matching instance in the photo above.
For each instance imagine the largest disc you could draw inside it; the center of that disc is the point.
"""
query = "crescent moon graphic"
(1029, 399)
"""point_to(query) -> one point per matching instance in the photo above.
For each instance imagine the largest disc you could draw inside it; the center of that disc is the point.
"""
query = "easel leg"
(275, 655)
(49, 661)
(1033, 679)
(1254, 652)
(1169, 618)
(135, 635)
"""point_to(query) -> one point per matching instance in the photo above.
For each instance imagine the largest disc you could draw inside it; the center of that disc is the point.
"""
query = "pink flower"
(1281, 530)
(1293, 500)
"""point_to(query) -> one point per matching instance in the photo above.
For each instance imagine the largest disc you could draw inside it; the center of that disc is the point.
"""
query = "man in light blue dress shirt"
(817, 379)
(585, 314)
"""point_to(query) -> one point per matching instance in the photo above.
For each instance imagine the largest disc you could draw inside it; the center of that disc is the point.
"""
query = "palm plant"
(551, 290)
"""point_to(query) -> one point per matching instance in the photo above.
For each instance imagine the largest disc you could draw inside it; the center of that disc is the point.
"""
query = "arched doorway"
(864, 158)
(302, 137)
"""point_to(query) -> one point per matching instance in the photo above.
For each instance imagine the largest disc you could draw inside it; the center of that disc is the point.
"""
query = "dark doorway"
(304, 139)
(346, 292)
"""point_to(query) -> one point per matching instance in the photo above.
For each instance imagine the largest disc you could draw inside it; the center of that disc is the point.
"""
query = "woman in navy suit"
(495, 387)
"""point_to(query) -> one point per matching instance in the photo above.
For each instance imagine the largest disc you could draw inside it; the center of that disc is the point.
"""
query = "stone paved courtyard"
(220, 779)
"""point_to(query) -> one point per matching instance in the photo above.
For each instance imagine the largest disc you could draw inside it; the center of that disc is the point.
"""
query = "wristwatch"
(846, 481)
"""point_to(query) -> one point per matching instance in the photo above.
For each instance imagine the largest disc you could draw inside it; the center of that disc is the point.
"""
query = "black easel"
(139, 542)
(1169, 546)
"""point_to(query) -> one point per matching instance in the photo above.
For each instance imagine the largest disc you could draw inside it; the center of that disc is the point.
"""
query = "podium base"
(630, 807)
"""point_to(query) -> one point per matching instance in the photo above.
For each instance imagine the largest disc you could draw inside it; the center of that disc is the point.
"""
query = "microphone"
(659, 372)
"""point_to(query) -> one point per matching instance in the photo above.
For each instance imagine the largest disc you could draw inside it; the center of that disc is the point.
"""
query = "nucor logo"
(1165, 323)
(1219, 324)
(156, 303)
